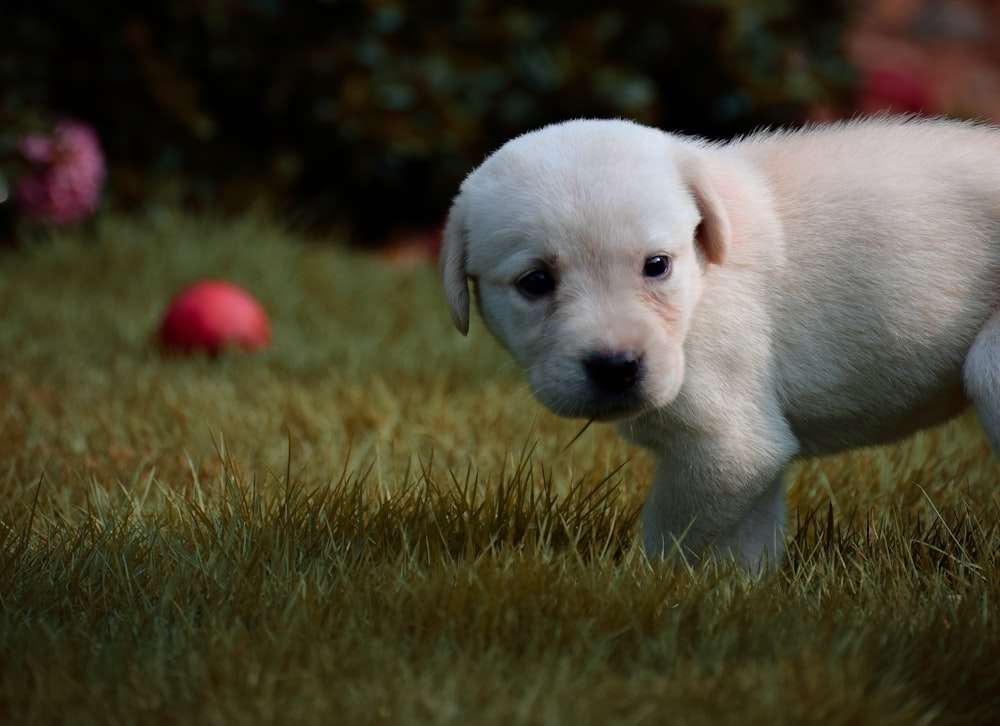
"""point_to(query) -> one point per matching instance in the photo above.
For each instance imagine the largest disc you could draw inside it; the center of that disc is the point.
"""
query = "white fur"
(830, 288)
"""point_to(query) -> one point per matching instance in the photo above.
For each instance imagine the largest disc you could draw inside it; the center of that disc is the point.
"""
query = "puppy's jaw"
(603, 409)
(588, 404)
(566, 384)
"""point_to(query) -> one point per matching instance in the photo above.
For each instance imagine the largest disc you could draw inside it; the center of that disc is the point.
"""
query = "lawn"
(373, 522)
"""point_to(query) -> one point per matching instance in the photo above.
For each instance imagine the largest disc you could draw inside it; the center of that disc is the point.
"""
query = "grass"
(373, 522)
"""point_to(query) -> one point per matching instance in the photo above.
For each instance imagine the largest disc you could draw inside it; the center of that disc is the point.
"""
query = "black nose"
(613, 372)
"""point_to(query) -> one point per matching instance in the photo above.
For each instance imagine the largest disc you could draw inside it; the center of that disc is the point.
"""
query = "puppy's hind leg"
(982, 379)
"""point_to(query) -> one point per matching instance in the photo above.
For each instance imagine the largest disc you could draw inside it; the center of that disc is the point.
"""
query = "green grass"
(373, 522)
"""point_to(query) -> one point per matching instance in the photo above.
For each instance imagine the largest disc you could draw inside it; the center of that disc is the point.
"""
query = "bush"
(372, 112)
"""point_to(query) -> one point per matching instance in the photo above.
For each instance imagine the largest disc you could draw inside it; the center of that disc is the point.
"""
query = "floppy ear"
(714, 231)
(454, 244)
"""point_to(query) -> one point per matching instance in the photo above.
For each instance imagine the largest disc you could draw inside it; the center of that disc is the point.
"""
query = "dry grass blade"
(578, 434)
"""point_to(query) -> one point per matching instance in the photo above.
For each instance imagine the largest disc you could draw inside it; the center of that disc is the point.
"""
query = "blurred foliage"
(371, 112)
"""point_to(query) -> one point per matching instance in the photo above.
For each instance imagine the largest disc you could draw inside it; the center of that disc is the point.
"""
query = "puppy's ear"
(714, 231)
(454, 245)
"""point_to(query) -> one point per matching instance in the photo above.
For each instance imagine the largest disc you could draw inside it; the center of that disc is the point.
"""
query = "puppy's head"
(586, 243)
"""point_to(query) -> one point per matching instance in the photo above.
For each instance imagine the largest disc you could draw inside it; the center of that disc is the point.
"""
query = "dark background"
(368, 114)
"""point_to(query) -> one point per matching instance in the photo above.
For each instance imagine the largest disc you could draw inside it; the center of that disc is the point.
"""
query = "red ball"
(212, 315)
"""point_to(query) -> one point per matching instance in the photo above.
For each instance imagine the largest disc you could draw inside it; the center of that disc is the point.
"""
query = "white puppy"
(735, 306)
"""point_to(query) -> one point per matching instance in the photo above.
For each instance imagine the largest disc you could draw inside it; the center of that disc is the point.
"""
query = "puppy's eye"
(657, 266)
(537, 283)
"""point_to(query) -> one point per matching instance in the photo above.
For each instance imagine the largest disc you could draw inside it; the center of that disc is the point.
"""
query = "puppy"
(735, 306)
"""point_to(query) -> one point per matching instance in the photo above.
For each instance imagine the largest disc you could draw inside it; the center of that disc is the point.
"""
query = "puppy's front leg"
(724, 498)
(753, 532)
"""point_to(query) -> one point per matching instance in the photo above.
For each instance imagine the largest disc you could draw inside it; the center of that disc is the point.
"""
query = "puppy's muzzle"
(614, 374)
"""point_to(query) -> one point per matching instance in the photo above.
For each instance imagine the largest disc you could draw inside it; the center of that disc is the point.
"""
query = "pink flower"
(66, 174)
